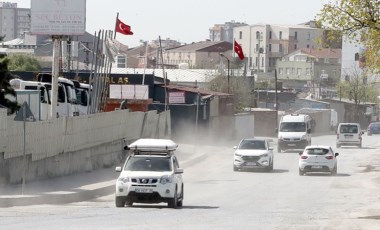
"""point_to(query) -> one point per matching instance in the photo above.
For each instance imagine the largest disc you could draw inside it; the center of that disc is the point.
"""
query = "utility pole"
(276, 96)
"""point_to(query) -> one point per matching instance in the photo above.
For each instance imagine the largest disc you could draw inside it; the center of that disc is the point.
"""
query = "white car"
(318, 159)
(253, 153)
(151, 174)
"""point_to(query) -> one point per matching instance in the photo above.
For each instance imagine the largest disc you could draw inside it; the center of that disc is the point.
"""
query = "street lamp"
(228, 72)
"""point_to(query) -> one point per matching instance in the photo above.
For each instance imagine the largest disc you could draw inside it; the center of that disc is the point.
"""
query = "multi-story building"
(224, 32)
(14, 22)
(263, 44)
(200, 55)
(316, 69)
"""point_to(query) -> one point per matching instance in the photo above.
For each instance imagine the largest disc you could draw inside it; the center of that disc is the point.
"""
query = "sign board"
(176, 97)
(140, 92)
(28, 113)
(58, 17)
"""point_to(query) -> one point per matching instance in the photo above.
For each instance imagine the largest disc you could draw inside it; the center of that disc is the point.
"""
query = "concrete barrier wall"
(68, 145)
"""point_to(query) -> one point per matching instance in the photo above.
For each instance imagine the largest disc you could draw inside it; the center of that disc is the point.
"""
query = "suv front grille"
(144, 180)
(251, 158)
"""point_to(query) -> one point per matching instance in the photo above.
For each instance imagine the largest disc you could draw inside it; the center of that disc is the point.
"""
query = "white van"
(294, 132)
(349, 134)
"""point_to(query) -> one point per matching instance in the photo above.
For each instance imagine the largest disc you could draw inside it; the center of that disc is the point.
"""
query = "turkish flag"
(123, 28)
(238, 50)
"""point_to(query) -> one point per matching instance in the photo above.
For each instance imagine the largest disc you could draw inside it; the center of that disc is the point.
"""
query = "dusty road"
(218, 198)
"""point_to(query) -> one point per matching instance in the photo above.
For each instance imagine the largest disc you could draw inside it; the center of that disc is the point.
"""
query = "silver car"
(253, 153)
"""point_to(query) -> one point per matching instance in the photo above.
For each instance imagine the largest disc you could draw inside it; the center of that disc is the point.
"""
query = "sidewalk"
(79, 187)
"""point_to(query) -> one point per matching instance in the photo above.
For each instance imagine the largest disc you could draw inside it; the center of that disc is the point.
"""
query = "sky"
(189, 21)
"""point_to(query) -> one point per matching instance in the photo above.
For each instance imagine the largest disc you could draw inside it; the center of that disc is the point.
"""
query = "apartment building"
(263, 44)
(310, 68)
(224, 32)
(14, 22)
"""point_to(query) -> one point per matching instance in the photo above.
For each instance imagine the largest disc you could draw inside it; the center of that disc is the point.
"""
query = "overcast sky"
(189, 21)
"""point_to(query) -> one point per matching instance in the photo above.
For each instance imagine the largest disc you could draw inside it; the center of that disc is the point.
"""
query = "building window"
(121, 61)
(241, 35)
(280, 71)
(293, 70)
(308, 46)
(270, 34)
(280, 48)
(308, 36)
(280, 35)
(308, 71)
(299, 71)
(288, 71)
(257, 35)
(270, 47)
(327, 60)
(295, 46)
(295, 35)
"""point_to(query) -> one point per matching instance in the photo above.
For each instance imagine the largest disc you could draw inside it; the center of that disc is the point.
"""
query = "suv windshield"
(157, 164)
(293, 127)
(252, 144)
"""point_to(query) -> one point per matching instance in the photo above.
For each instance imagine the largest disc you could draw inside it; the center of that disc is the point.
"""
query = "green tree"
(23, 62)
(239, 87)
(357, 19)
(357, 89)
(5, 88)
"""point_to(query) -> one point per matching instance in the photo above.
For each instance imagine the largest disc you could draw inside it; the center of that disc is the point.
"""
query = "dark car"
(373, 128)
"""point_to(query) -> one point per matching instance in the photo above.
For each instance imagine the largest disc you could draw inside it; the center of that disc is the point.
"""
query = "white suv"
(151, 174)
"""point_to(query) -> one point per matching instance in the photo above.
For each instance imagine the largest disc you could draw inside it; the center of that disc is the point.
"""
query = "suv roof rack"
(153, 145)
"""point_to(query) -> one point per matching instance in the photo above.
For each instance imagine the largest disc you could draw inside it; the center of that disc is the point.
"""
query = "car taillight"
(329, 157)
(303, 157)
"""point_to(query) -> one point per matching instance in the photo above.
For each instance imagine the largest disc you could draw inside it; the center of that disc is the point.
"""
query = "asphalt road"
(218, 198)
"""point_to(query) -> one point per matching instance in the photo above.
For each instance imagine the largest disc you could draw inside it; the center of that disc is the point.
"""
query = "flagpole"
(117, 18)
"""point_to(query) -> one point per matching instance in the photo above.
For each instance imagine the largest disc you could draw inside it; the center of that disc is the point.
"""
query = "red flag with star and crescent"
(238, 50)
(123, 28)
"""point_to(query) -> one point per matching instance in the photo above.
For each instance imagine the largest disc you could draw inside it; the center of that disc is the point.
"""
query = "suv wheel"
(270, 167)
(173, 201)
(300, 172)
(180, 202)
(334, 171)
(129, 203)
(119, 201)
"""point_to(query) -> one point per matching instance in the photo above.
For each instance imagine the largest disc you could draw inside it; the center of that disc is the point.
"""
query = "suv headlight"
(123, 179)
(264, 155)
(166, 179)
(238, 155)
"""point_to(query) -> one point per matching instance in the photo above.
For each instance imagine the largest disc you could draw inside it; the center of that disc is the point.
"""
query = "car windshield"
(348, 129)
(293, 127)
(157, 164)
(317, 151)
(252, 144)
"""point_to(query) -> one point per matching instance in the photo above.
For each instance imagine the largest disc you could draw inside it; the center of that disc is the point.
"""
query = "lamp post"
(228, 72)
